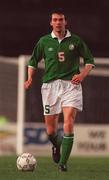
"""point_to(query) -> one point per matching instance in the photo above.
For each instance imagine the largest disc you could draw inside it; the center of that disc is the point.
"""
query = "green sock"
(55, 139)
(67, 144)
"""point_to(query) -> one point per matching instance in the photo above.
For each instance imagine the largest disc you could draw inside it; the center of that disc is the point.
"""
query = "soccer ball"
(26, 162)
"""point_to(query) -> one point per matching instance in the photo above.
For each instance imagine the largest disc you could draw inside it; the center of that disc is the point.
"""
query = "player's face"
(58, 22)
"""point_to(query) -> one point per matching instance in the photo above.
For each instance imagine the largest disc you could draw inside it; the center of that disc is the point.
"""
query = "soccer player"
(61, 89)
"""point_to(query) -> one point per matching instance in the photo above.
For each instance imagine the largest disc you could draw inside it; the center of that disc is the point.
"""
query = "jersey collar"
(68, 34)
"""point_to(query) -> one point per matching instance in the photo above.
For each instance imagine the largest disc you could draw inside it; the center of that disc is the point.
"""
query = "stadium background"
(22, 23)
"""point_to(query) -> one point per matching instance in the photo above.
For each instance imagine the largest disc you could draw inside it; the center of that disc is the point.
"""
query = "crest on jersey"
(71, 47)
(50, 49)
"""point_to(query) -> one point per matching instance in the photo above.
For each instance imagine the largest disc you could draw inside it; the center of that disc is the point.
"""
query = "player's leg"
(71, 103)
(52, 107)
(68, 138)
(51, 122)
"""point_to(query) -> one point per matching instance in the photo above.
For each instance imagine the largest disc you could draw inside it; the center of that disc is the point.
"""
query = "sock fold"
(67, 144)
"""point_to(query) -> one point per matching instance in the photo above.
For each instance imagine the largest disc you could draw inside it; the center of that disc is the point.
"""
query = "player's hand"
(77, 78)
(28, 83)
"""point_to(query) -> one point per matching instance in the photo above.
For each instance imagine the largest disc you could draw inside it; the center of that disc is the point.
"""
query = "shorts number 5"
(47, 109)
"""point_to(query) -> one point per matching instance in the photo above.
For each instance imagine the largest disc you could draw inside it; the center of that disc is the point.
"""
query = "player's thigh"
(50, 98)
(69, 118)
(69, 113)
(73, 96)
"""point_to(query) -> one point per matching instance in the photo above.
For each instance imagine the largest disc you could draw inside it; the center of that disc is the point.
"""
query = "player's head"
(58, 11)
(58, 20)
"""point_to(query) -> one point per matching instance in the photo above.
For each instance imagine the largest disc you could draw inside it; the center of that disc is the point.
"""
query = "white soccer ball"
(26, 162)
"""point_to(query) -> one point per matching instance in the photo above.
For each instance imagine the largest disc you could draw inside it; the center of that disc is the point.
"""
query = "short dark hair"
(58, 11)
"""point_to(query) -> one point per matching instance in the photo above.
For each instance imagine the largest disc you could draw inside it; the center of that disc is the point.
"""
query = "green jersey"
(61, 58)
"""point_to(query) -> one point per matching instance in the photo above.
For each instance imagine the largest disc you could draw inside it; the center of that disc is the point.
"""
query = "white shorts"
(61, 93)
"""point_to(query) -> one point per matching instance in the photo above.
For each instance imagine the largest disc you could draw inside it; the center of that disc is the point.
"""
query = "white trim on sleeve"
(90, 64)
(32, 67)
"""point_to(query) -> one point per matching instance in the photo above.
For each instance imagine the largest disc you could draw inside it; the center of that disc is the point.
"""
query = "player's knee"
(50, 130)
(51, 124)
(68, 127)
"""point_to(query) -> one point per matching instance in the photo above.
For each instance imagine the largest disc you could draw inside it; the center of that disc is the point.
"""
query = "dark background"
(22, 22)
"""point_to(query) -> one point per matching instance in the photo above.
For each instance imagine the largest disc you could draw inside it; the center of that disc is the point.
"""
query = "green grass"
(78, 169)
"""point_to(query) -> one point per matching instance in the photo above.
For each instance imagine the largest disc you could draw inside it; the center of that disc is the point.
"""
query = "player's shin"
(55, 139)
(67, 141)
(67, 144)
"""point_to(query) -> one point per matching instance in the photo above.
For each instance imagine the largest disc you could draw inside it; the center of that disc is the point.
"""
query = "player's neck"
(60, 34)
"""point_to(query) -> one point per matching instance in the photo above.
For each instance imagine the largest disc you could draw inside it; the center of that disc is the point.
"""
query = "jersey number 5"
(61, 56)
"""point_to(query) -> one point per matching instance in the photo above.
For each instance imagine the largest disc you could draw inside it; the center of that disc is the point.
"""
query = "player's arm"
(28, 82)
(78, 78)
(85, 53)
(33, 62)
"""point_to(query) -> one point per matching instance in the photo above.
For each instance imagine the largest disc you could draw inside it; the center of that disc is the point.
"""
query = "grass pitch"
(78, 169)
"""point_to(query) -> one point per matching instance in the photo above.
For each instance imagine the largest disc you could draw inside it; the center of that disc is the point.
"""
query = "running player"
(61, 89)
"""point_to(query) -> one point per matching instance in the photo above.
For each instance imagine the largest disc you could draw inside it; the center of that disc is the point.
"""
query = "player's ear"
(65, 22)
(50, 23)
